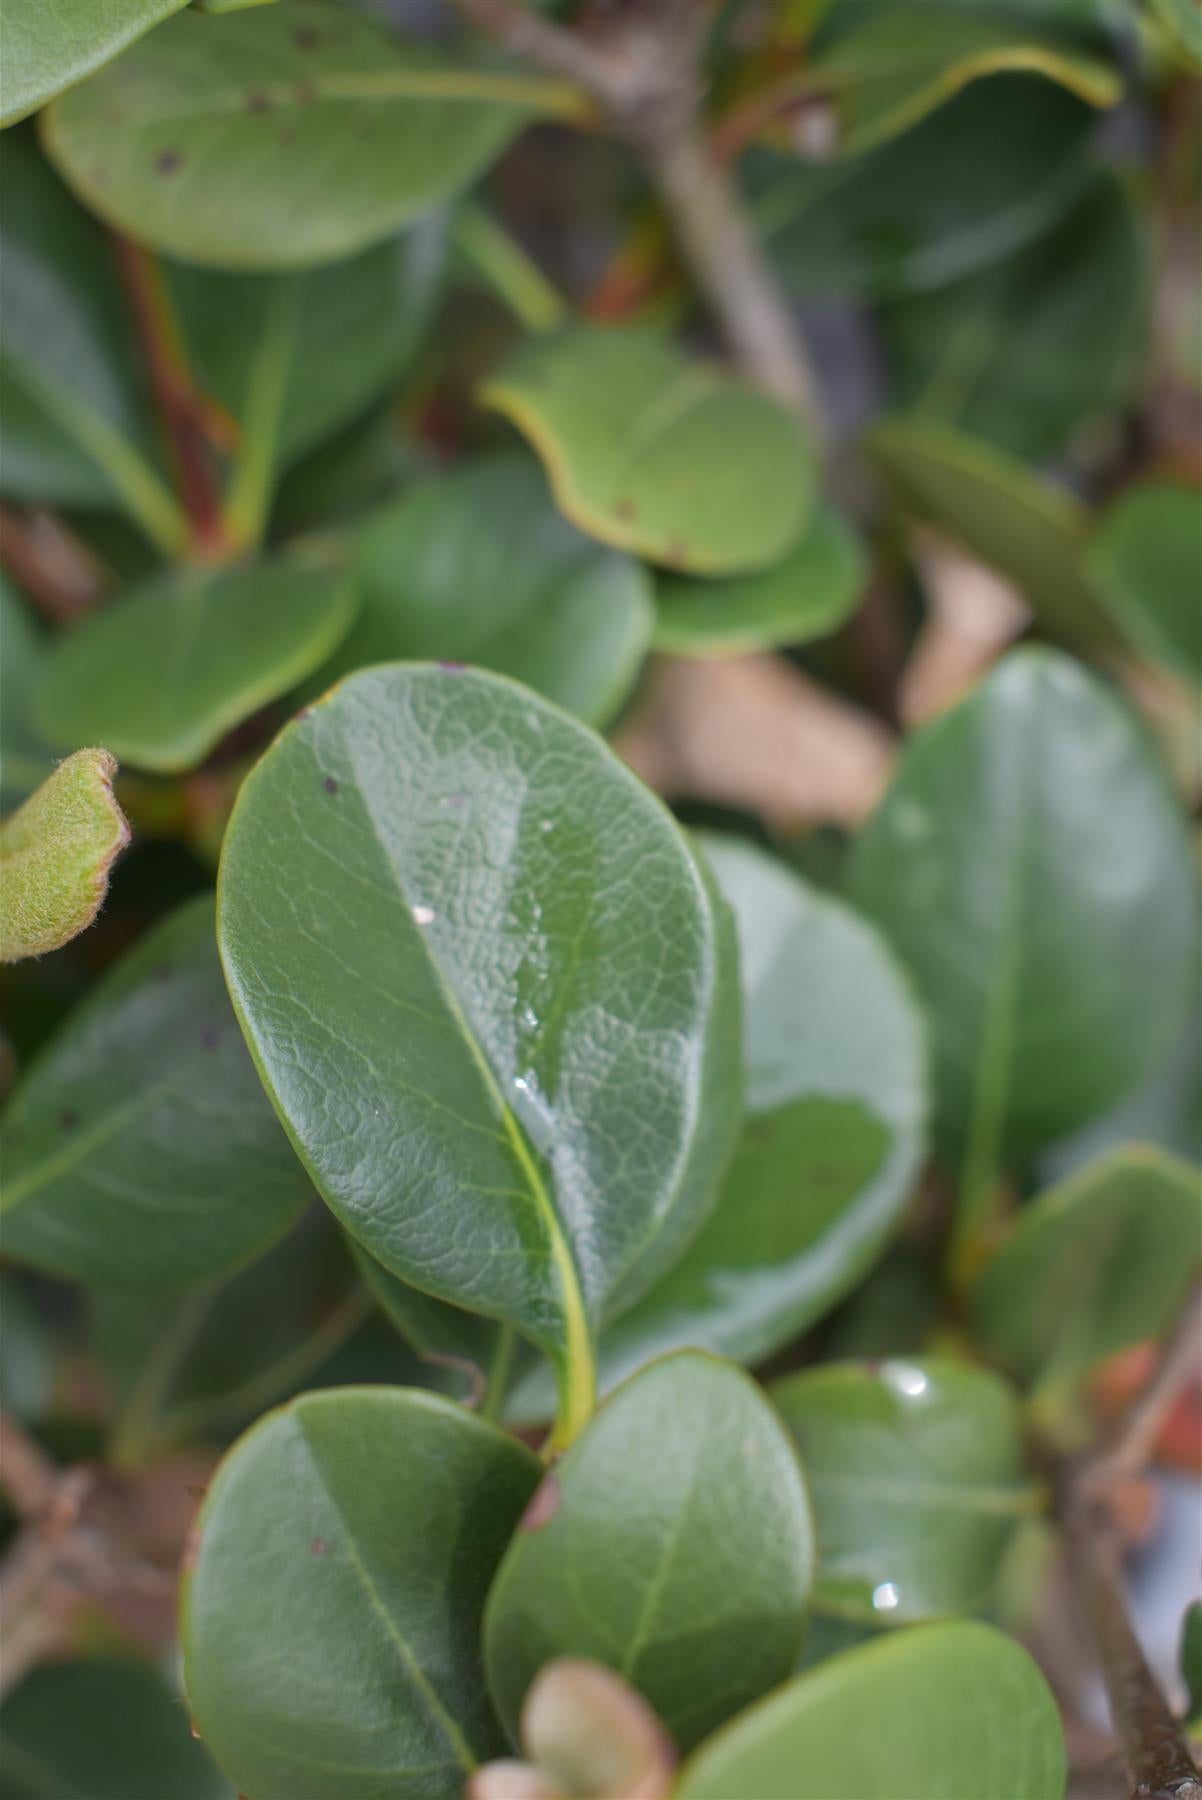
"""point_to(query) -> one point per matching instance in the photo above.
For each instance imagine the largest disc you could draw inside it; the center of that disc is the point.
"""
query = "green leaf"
(886, 72)
(168, 670)
(916, 1471)
(74, 426)
(1000, 512)
(1144, 564)
(657, 453)
(101, 1729)
(351, 330)
(439, 578)
(1093, 1266)
(836, 1092)
(942, 1712)
(934, 203)
(46, 48)
(24, 758)
(1051, 971)
(479, 967)
(807, 595)
(331, 1619)
(672, 1543)
(1033, 350)
(350, 132)
(191, 1368)
(56, 851)
(438, 1332)
(1165, 1110)
(1191, 1661)
(139, 1150)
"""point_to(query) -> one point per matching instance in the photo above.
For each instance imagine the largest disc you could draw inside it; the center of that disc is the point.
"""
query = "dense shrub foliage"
(602, 631)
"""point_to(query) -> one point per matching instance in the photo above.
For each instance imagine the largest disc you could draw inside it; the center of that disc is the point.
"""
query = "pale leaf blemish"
(543, 1505)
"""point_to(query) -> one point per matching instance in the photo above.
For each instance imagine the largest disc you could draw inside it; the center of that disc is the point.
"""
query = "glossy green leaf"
(942, 1712)
(1033, 350)
(439, 577)
(672, 1543)
(56, 851)
(342, 333)
(24, 758)
(934, 203)
(74, 423)
(193, 1368)
(331, 1619)
(351, 132)
(1052, 971)
(834, 1060)
(479, 968)
(1000, 512)
(102, 1729)
(1145, 565)
(1093, 1266)
(1165, 1110)
(139, 1149)
(654, 452)
(807, 595)
(168, 670)
(916, 1472)
(891, 68)
(45, 48)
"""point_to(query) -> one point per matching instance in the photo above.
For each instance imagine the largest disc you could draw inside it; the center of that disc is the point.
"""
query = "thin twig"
(644, 72)
(1179, 1366)
(1153, 1746)
(181, 410)
(60, 574)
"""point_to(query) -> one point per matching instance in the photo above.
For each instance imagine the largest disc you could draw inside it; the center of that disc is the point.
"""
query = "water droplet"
(532, 1112)
(885, 1598)
(546, 825)
(422, 915)
(908, 1380)
(529, 1018)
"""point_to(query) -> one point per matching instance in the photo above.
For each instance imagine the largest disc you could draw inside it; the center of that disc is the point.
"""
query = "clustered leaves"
(654, 1260)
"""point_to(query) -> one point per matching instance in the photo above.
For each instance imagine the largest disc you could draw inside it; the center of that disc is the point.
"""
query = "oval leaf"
(942, 1712)
(654, 452)
(916, 1472)
(350, 133)
(807, 595)
(44, 49)
(442, 878)
(1053, 974)
(55, 855)
(369, 1520)
(834, 1063)
(439, 578)
(140, 1149)
(1144, 565)
(169, 670)
(1093, 1266)
(698, 1599)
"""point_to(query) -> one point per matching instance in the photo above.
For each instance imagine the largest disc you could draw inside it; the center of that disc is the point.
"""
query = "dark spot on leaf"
(317, 1547)
(625, 509)
(163, 972)
(305, 91)
(168, 161)
(452, 668)
(257, 101)
(330, 785)
(210, 1037)
(304, 39)
(68, 1120)
(677, 552)
(543, 1506)
(303, 713)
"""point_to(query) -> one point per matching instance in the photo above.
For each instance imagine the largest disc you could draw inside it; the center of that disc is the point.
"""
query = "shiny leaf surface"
(331, 1617)
(672, 1542)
